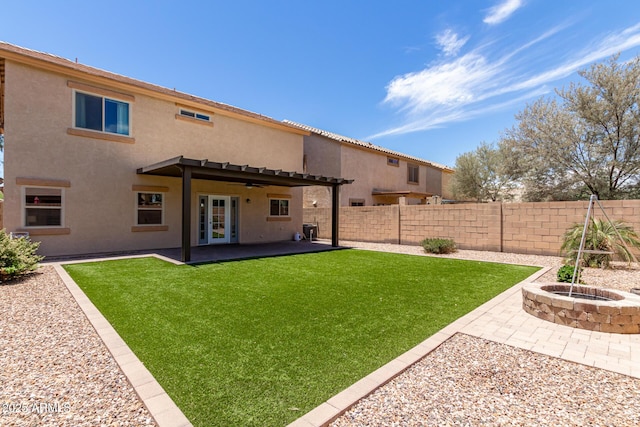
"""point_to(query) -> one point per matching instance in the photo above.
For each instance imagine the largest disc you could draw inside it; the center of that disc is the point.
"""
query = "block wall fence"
(527, 228)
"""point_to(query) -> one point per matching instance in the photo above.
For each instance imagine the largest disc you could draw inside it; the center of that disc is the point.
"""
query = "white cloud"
(502, 11)
(472, 85)
(448, 84)
(450, 43)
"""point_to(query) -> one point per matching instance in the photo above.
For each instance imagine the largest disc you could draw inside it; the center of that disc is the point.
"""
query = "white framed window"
(279, 207)
(393, 161)
(149, 208)
(195, 115)
(43, 206)
(101, 113)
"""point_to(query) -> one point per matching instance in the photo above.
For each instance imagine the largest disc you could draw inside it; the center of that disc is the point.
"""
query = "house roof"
(367, 145)
(401, 193)
(204, 169)
(74, 69)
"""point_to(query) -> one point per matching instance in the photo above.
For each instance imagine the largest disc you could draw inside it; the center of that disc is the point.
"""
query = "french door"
(215, 218)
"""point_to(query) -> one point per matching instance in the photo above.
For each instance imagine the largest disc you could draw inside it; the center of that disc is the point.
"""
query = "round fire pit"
(595, 309)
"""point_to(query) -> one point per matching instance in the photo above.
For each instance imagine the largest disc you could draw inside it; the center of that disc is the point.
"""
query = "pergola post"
(335, 211)
(186, 213)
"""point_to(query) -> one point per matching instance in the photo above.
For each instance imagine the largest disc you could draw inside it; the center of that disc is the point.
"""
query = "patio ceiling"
(189, 169)
(204, 169)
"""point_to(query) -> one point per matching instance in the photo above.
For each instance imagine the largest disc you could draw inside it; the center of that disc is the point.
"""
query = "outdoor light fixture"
(248, 200)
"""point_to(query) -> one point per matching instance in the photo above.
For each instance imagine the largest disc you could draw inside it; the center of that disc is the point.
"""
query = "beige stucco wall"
(369, 170)
(99, 204)
(322, 156)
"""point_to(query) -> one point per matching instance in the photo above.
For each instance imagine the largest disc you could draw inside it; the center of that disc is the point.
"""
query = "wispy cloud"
(449, 42)
(501, 12)
(480, 82)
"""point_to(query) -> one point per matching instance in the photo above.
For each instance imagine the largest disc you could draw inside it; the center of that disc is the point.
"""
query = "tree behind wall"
(586, 143)
(482, 175)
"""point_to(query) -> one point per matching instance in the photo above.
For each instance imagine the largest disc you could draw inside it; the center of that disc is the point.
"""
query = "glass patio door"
(219, 219)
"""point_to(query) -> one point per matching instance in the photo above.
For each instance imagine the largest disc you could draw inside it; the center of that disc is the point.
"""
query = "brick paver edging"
(162, 408)
(330, 410)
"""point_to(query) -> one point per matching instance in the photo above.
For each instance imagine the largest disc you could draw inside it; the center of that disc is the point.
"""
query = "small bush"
(17, 256)
(565, 273)
(439, 246)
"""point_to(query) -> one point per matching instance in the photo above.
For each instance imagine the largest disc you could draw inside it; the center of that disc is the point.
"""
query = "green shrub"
(17, 256)
(601, 236)
(439, 245)
(565, 273)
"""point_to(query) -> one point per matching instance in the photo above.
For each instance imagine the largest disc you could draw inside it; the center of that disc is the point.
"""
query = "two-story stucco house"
(381, 176)
(98, 162)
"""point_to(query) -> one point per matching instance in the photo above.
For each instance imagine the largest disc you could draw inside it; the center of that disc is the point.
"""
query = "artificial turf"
(261, 342)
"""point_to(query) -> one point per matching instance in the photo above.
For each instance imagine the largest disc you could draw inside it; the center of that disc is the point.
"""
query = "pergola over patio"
(188, 169)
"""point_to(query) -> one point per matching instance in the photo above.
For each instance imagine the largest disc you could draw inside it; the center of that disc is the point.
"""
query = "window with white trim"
(278, 207)
(101, 113)
(43, 206)
(195, 115)
(149, 208)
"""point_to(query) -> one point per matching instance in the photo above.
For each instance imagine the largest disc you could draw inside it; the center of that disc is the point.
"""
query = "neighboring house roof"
(66, 67)
(368, 145)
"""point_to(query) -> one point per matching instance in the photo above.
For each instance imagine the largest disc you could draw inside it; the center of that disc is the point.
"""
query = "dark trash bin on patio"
(310, 231)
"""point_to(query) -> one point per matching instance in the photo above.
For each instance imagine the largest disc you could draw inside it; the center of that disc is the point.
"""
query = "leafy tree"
(482, 175)
(587, 142)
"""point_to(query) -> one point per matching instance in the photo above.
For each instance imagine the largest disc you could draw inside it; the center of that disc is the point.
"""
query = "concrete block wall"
(528, 228)
(364, 223)
(537, 228)
(471, 226)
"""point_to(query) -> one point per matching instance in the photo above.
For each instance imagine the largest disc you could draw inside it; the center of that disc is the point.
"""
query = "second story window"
(195, 115)
(413, 174)
(101, 114)
(392, 161)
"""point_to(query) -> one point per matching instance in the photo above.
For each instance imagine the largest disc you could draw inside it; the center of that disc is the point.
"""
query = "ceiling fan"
(249, 185)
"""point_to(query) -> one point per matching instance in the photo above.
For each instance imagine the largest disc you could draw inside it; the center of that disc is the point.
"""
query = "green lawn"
(261, 342)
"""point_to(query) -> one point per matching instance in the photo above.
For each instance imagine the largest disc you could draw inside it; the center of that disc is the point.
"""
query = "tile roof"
(66, 66)
(364, 144)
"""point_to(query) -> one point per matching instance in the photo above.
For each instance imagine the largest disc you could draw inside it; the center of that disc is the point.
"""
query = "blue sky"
(428, 78)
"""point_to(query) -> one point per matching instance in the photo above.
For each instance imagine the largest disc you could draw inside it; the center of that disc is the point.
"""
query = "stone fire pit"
(595, 309)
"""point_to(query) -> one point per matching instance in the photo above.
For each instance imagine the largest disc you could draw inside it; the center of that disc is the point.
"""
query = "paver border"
(337, 405)
(159, 404)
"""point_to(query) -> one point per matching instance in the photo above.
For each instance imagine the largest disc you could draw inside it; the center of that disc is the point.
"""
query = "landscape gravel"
(469, 381)
(55, 369)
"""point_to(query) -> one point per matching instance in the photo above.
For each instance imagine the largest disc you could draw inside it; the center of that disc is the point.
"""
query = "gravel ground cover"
(469, 381)
(55, 370)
